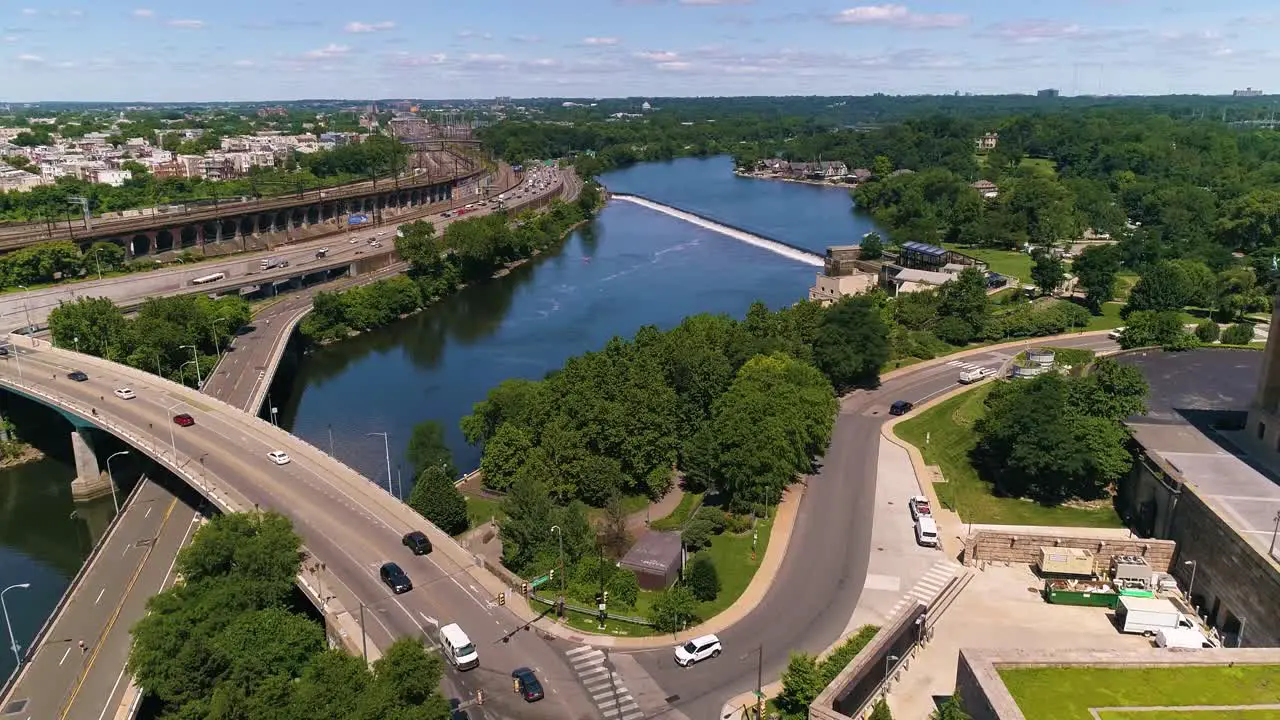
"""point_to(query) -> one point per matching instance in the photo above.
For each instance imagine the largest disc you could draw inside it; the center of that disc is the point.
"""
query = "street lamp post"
(173, 442)
(1191, 585)
(213, 328)
(1274, 532)
(888, 667)
(195, 357)
(112, 478)
(13, 644)
(560, 540)
(386, 448)
(27, 308)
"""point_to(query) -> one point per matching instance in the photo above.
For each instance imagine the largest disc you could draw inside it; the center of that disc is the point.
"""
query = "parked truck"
(972, 376)
(270, 263)
(1147, 616)
(1182, 639)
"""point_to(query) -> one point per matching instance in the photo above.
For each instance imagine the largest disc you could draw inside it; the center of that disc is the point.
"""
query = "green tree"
(526, 529)
(852, 343)
(1207, 332)
(1096, 269)
(105, 257)
(951, 709)
(1147, 328)
(674, 610)
(1163, 286)
(92, 324)
(1238, 334)
(1047, 271)
(437, 499)
(259, 546)
(881, 711)
(703, 579)
(801, 683)
(428, 449)
(872, 246)
(881, 167)
(965, 299)
(1110, 390)
(416, 243)
(330, 687)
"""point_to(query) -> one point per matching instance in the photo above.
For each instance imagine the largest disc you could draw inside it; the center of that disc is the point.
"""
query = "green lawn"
(944, 434)
(1109, 319)
(677, 518)
(1005, 262)
(480, 510)
(1188, 715)
(1060, 693)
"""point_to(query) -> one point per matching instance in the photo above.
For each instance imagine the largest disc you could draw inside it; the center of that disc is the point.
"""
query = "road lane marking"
(148, 513)
(97, 646)
(64, 656)
(99, 598)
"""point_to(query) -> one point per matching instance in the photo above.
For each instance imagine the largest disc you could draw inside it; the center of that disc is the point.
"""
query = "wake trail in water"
(748, 238)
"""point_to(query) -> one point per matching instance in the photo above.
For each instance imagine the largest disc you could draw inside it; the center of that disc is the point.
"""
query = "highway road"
(818, 586)
(242, 373)
(134, 562)
(345, 520)
(33, 306)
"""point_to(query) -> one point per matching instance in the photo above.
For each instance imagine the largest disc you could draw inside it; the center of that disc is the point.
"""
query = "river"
(629, 268)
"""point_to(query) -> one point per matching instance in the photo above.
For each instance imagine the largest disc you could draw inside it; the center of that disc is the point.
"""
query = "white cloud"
(676, 66)
(715, 2)
(327, 52)
(658, 56)
(600, 41)
(469, 34)
(30, 59)
(65, 64)
(408, 60)
(359, 27)
(29, 11)
(9, 39)
(186, 24)
(243, 63)
(143, 13)
(898, 15)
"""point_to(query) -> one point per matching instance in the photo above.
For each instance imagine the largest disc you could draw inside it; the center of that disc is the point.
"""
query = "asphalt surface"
(822, 577)
(63, 680)
(243, 376)
(345, 520)
(33, 306)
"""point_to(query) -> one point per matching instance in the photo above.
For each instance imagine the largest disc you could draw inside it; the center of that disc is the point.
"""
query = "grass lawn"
(1199, 715)
(1068, 693)
(944, 434)
(677, 518)
(1109, 319)
(1005, 262)
(480, 510)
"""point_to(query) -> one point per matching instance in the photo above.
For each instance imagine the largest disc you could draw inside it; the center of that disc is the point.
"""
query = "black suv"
(77, 375)
(395, 578)
(901, 407)
(417, 543)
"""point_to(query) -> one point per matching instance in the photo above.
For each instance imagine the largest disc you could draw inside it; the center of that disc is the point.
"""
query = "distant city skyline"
(183, 51)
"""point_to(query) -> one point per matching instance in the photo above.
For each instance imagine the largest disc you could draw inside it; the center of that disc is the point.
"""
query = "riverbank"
(797, 181)
(17, 452)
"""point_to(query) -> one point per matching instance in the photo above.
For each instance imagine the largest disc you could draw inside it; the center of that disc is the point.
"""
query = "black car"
(526, 683)
(395, 578)
(77, 375)
(901, 407)
(417, 542)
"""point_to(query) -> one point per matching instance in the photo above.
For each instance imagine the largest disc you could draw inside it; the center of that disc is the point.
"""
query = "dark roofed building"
(922, 256)
(656, 560)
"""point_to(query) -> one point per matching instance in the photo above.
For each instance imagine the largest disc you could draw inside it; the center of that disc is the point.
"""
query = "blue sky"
(175, 50)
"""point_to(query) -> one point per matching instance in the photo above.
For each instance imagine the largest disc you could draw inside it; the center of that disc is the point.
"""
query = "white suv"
(697, 650)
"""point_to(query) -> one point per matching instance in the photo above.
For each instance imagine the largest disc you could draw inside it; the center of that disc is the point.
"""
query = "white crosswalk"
(930, 584)
(965, 365)
(603, 684)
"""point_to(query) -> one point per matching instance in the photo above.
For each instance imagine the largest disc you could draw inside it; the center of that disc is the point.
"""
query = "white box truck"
(1182, 639)
(976, 375)
(1147, 616)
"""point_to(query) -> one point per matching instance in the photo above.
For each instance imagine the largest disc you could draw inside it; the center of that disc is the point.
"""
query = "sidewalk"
(638, 522)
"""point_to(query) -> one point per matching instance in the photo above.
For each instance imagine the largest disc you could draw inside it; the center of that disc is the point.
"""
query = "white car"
(697, 650)
(125, 394)
(1115, 334)
(279, 457)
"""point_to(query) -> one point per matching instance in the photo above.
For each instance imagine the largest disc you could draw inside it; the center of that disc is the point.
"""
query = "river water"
(629, 268)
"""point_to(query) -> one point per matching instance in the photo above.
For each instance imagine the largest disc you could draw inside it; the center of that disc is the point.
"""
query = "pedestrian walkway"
(928, 587)
(968, 365)
(603, 684)
(638, 522)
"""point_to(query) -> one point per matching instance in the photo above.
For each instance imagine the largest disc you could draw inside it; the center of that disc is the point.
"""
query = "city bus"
(209, 278)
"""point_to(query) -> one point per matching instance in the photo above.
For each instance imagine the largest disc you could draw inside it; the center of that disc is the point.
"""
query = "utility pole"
(83, 202)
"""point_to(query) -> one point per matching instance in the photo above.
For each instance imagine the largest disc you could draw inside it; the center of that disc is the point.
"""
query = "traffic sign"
(539, 581)
(357, 219)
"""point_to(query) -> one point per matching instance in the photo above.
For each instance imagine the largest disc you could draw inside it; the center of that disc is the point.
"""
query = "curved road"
(820, 582)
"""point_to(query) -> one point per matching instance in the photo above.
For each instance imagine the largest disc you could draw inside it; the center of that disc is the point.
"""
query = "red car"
(184, 420)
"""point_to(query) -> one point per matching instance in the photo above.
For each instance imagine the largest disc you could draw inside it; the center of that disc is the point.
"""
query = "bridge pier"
(90, 482)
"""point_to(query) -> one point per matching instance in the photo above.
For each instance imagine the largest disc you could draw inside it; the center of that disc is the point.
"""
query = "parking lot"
(1001, 608)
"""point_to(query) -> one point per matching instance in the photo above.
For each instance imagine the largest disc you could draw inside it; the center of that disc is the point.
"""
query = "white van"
(926, 531)
(458, 648)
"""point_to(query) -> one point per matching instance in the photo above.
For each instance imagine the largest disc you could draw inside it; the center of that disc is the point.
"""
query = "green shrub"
(703, 579)
(674, 610)
(716, 517)
(1207, 332)
(1238, 334)
(697, 534)
(623, 588)
(737, 524)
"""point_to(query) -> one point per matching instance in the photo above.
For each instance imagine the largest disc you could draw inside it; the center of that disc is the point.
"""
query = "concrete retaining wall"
(1023, 548)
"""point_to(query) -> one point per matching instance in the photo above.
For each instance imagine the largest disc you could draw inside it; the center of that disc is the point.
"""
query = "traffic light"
(524, 588)
(606, 597)
(551, 575)
(502, 598)
(599, 598)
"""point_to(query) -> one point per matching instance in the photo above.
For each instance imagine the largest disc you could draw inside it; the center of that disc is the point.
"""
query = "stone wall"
(1023, 548)
(985, 696)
